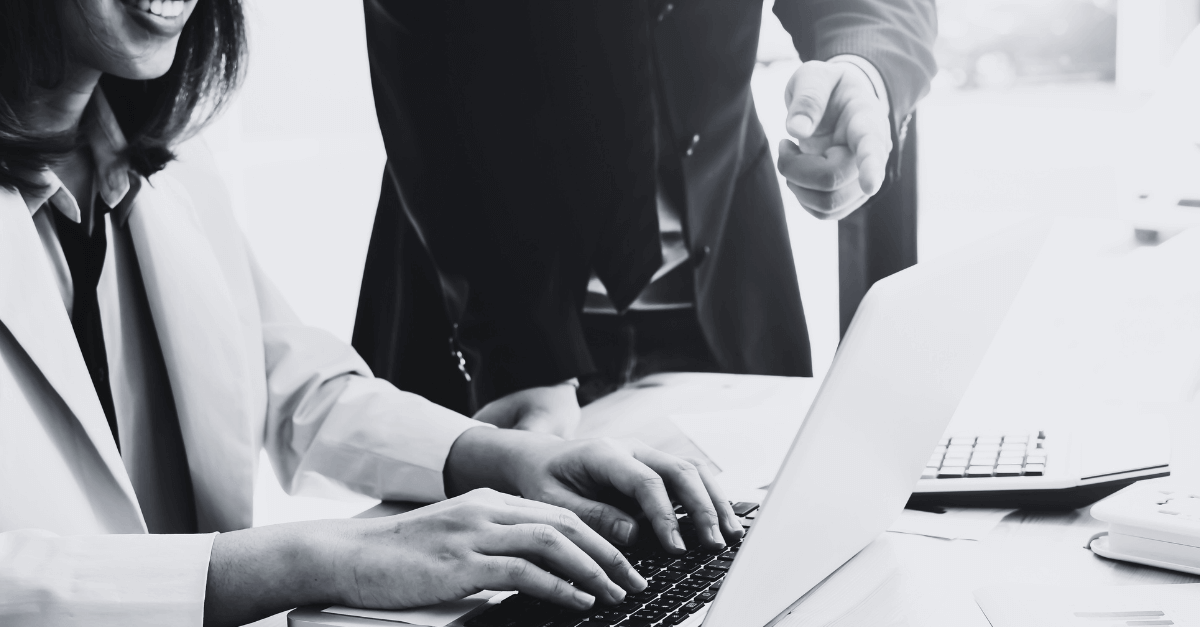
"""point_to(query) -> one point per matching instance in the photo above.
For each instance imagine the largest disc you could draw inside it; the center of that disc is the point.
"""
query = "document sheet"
(438, 615)
(1176, 605)
(956, 523)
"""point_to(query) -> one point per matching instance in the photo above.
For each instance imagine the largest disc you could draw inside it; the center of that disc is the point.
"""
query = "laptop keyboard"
(679, 586)
(1014, 455)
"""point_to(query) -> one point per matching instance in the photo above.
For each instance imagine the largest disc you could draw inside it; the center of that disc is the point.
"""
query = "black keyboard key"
(744, 507)
(649, 615)
(668, 575)
(708, 574)
(705, 597)
(690, 607)
(636, 622)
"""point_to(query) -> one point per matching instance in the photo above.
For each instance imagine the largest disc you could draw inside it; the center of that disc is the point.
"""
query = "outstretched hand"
(842, 139)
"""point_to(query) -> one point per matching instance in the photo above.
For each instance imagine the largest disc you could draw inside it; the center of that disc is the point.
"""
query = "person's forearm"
(255, 573)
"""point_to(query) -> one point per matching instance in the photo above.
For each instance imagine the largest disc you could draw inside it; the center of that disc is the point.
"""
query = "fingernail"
(639, 582)
(583, 599)
(677, 540)
(716, 535)
(616, 592)
(801, 125)
(623, 531)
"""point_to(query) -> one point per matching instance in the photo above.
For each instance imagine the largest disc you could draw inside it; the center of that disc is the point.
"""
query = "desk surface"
(899, 579)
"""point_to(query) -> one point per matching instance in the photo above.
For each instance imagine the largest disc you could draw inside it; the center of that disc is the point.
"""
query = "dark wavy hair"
(154, 114)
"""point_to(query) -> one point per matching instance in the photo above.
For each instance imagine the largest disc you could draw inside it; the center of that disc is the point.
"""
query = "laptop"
(894, 384)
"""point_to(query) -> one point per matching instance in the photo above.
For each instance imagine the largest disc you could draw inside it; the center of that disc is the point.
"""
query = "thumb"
(501, 412)
(807, 96)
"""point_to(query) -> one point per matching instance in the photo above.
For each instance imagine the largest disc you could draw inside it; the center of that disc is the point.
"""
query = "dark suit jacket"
(521, 157)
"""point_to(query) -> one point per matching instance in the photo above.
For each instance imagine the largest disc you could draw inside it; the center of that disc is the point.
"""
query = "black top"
(521, 156)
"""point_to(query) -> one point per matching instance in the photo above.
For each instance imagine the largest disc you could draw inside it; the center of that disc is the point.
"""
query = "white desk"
(899, 579)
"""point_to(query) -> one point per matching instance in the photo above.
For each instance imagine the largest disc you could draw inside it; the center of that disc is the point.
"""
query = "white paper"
(1177, 605)
(438, 615)
(958, 523)
(748, 445)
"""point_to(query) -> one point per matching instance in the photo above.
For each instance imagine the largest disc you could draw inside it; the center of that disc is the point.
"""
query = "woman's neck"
(59, 110)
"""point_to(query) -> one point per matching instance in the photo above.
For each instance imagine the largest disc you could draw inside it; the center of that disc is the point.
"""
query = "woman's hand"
(482, 540)
(582, 475)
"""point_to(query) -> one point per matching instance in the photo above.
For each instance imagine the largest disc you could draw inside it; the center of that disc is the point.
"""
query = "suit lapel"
(201, 339)
(31, 308)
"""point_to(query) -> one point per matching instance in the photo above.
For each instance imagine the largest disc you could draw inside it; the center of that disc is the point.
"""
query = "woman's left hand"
(579, 474)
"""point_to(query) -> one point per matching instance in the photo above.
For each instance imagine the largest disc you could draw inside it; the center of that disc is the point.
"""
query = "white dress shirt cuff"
(131, 580)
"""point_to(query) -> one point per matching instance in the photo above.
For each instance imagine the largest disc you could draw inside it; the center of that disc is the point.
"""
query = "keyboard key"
(705, 597)
(958, 448)
(979, 471)
(1016, 437)
(744, 507)
(939, 449)
(952, 472)
(934, 461)
(962, 439)
(929, 473)
(958, 455)
(1011, 459)
(1008, 470)
(1034, 470)
(988, 439)
(1014, 446)
(636, 622)
(944, 441)
(690, 608)
(1036, 459)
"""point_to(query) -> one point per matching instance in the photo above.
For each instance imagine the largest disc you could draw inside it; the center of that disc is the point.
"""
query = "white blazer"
(244, 374)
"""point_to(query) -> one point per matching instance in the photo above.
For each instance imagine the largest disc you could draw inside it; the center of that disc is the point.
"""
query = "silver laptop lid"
(902, 368)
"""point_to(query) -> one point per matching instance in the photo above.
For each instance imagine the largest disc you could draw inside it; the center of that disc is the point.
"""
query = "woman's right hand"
(482, 540)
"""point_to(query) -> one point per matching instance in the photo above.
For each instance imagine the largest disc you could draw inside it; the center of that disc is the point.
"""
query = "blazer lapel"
(201, 339)
(31, 308)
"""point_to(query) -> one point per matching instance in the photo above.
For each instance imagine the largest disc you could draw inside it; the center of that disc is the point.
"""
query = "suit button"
(699, 254)
(691, 149)
(666, 10)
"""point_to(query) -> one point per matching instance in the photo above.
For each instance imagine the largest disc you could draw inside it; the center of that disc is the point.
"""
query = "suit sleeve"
(330, 420)
(118, 580)
(896, 36)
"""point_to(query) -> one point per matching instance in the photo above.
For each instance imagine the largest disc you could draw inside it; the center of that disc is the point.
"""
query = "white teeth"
(163, 8)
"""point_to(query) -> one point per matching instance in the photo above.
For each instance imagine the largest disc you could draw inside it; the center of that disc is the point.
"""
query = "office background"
(1034, 114)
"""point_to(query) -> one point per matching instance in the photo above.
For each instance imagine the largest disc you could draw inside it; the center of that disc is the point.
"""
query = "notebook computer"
(890, 393)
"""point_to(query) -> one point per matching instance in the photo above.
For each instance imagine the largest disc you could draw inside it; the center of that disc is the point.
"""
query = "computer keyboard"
(679, 586)
(1014, 455)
